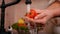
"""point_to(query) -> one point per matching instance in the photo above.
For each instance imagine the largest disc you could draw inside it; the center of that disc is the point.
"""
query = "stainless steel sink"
(57, 29)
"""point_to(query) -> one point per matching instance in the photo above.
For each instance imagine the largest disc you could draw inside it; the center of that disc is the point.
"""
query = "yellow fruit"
(21, 21)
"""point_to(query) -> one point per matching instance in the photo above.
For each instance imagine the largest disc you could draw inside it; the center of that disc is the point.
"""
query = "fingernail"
(35, 17)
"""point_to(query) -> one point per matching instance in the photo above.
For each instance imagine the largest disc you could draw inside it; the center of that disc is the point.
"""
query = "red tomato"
(32, 14)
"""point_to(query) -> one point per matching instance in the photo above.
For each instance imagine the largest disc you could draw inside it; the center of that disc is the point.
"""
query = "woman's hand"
(42, 17)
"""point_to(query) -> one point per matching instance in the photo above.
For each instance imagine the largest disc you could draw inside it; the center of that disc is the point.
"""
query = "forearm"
(56, 11)
(55, 7)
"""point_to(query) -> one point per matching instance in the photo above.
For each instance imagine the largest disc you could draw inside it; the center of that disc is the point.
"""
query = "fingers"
(40, 16)
(39, 21)
(42, 21)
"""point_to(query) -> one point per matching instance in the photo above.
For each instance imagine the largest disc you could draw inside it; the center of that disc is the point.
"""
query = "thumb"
(37, 17)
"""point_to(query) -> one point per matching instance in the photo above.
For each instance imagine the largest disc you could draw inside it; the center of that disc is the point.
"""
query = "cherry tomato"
(32, 14)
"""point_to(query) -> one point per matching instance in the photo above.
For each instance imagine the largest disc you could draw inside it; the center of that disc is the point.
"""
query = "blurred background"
(13, 13)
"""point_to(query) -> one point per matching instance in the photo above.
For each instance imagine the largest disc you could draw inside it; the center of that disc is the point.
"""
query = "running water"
(32, 31)
(28, 8)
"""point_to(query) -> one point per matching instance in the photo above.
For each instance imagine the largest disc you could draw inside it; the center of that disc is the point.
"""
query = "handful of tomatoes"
(32, 14)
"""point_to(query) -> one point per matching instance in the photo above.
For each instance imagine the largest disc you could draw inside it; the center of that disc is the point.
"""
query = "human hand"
(44, 16)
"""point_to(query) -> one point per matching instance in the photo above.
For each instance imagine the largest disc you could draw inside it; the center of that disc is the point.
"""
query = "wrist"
(56, 12)
(51, 13)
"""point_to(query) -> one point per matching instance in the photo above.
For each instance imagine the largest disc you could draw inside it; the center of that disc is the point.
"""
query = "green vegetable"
(16, 27)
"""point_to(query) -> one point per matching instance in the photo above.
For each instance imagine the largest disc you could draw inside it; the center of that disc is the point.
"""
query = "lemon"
(21, 21)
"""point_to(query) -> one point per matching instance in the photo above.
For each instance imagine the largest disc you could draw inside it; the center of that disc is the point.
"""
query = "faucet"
(3, 6)
(28, 2)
